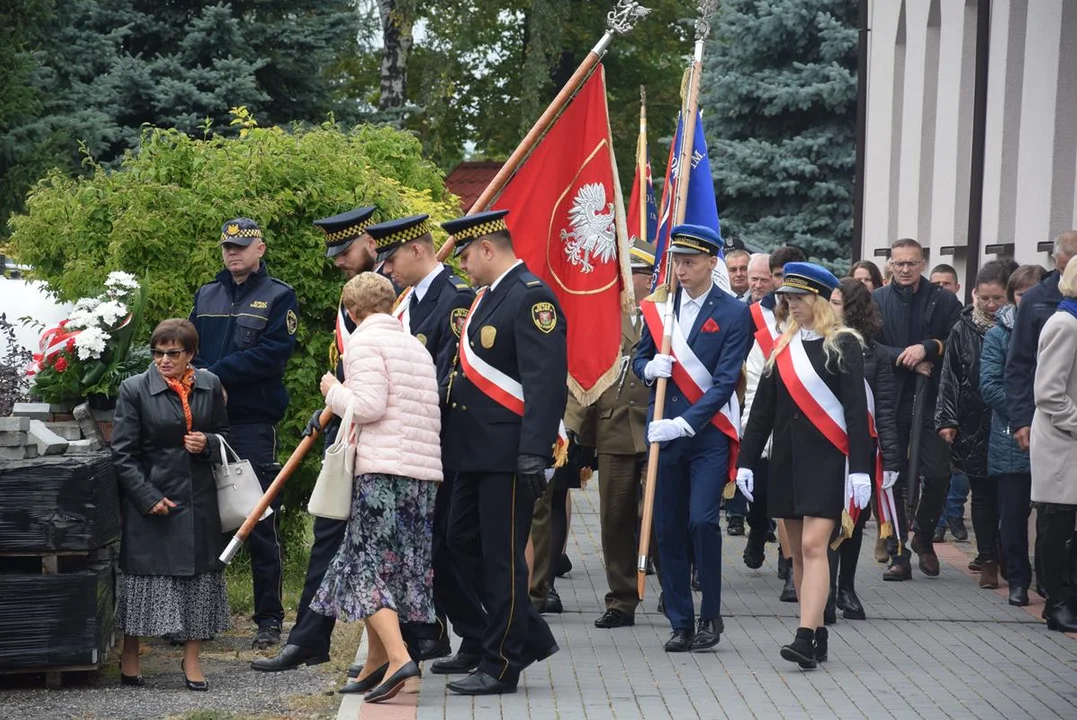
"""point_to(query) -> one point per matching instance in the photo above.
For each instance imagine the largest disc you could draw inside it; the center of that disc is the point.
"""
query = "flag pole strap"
(620, 20)
(688, 123)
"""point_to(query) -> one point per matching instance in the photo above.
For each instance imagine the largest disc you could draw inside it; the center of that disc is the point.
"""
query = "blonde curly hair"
(368, 293)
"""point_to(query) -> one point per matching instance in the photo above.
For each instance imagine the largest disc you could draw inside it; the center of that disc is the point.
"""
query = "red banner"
(567, 224)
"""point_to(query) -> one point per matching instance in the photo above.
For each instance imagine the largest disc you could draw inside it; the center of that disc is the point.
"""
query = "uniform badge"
(292, 321)
(487, 335)
(421, 338)
(545, 316)
(456, 320)
(232, 229)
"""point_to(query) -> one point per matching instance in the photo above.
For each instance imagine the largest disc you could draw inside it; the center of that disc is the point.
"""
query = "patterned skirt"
(384, 561)
(179, 608)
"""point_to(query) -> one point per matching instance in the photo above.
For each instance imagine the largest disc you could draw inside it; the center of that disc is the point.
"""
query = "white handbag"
(238, 489)
(332, 494)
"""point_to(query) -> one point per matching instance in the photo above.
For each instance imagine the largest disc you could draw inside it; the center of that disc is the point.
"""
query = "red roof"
(469, 179)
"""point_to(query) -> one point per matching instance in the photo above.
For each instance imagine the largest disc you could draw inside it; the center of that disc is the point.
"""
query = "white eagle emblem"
(593, 237)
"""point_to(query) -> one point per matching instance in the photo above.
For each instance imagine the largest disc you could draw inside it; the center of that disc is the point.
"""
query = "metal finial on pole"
(707, 8)
(624, 16)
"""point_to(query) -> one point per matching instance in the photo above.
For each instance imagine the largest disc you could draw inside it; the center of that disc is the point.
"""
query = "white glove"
(548, 472)
(861, 489)
(746, 483)
(890, 478)
(665, 430)
(660, 366)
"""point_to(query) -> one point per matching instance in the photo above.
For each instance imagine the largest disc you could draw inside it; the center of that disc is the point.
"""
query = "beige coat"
(1054, 427)
(622, 409)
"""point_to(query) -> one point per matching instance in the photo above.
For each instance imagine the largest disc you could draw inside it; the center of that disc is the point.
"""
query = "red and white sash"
(885, 502)
(402, 311)
(342, 331)
(766, 328)
(692, 376)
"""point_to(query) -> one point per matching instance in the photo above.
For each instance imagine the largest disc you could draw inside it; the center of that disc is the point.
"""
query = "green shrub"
(159, 216)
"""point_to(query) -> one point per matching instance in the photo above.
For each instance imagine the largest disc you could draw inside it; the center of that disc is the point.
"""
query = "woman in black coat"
(166, 434)
(812, 397)
(852, 303)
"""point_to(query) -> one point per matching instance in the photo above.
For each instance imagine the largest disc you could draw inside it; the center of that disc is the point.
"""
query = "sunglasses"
(158, 354)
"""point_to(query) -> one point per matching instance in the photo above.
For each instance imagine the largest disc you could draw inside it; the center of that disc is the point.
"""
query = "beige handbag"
(238, 489)
(332, 494)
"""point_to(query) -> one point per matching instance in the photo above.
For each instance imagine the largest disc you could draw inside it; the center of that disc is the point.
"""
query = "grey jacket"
(151, 463)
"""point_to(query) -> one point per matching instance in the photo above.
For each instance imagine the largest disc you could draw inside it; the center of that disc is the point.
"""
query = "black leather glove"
(531, 469)
(313, 426)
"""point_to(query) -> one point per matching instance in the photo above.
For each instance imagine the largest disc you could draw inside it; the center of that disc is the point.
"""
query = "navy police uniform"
(518, 328)
(436, 319)
(693, 470)
(246, 335)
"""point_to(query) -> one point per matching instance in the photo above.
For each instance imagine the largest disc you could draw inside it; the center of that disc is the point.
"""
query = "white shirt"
(426, 282)
(493, 285)
(690, 308)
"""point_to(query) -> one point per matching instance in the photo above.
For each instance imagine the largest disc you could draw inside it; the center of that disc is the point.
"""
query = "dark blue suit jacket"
(722, 352)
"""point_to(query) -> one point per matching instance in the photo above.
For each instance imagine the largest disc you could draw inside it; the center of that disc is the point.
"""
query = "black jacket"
(880, 377)
(151, 463)
(519, 329)
(959, 404)
(436, 319)
(937, 311)
(1037, 305)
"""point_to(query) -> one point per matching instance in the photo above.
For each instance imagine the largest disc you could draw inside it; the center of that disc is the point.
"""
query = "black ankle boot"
(830, 612)
(822, 640)
(1059, 616)
(789, 591)
(852, 609)
(802, 649)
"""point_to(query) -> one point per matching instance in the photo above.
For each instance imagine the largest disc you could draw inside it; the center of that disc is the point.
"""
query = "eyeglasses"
(906, 265)
(170, 354)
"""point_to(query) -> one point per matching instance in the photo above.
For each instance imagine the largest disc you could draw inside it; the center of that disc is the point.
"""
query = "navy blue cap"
(391, 234)
(344, 229)
(240, 231)
(469, 228)
(802, 278)
(694, 239)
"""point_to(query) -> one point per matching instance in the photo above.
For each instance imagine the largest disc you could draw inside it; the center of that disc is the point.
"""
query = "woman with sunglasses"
(165, 437)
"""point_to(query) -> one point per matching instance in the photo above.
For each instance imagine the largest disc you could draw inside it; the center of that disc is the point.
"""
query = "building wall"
(918, 154)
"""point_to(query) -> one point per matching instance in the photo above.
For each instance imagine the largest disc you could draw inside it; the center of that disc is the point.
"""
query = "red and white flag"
(567, 223)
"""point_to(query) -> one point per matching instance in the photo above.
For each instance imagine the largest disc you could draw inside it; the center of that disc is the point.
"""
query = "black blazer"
(151, 463)
(513, 330)
(436, 319)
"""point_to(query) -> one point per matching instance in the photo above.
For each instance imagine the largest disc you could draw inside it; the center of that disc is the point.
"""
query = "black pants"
(1058, 551)
(313, 631)
(844, 560)
(758, 522)
(453, 599)
(931, 483)
(1014, 506)
(489, 523)
(985, 516)
(257, 442)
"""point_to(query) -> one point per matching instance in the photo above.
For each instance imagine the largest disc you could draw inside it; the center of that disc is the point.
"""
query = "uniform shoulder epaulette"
(530, 279)
(459, 283)
(281, 282)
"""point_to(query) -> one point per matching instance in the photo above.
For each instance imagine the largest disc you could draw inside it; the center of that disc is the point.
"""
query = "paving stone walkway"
(931, 648)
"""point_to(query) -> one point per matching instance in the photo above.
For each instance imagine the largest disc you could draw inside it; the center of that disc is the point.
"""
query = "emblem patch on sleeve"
(545, 316)
(456, 320)
(292, 321)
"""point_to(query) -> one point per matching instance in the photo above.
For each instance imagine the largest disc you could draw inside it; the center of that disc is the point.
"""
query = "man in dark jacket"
(246, 322)
(917, 319)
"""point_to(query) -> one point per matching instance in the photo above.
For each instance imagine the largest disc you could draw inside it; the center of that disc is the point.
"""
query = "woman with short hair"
(382, 573)
(166, 435)
(812, 397)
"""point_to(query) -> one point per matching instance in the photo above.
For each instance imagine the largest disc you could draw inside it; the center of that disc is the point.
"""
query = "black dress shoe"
(431, 649)
(708, 633)
(958, 529)
(564, 566)
(789, 591)
(194, 685)
(481, 683)
(289, 658)
(850, 604)
(394, 684)
(615, 619)
(1018, 596)
(679, 641)
(268, 636)
(368, 683)
(802, 649)
(830, 611)
(131, 680)
(754, 554)
(1060, 617)
(785, 565)
(553, 603)
(354, 670)
(530, 656)
(734, 526)
(459, 664)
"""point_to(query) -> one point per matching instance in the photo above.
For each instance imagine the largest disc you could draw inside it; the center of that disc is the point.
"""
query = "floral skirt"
(179, 608)
(384, 561)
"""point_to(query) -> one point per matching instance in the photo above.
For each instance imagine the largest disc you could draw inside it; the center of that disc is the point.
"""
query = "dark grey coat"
(151, 463)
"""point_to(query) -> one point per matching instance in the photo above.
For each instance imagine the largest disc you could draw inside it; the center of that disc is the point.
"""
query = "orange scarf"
(183, 387)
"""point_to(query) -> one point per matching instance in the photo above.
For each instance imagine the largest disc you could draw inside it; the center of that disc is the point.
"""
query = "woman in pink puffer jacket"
(382, 572)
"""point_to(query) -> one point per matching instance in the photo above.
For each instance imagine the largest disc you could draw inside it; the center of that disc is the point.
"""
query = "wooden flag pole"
(684, 172)
(641, 163)
(619, 21)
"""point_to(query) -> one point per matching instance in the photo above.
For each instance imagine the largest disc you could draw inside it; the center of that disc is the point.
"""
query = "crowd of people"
(799, 402)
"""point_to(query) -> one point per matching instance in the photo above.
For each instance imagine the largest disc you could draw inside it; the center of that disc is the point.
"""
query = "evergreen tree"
(779, 99)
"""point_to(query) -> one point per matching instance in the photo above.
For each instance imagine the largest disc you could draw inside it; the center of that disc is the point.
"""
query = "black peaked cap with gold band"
(470, 228)
(390, 235)
(240, 231)
(344, 229)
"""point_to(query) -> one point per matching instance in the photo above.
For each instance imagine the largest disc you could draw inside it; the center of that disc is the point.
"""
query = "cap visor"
(241, 241)
(386, 254)
(334, 250)
(677, 250)
(786, 290)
